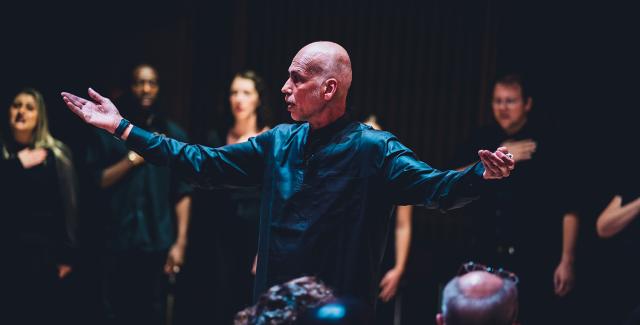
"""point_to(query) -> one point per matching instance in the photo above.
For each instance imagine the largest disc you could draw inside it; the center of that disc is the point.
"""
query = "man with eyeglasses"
(525, 223)
(481, 295)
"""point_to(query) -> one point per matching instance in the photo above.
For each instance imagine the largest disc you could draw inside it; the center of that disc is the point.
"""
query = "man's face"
(302, 91)
(145, 86)
(509, 108)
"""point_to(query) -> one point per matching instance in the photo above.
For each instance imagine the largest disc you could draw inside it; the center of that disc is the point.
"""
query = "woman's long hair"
(42, 138)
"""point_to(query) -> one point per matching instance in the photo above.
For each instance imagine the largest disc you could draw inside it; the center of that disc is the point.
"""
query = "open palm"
(99, 111)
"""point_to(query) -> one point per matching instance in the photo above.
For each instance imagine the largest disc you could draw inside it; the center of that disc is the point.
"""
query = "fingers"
(497, 164)
(503, 150)
(561, 288)
(489, 163)
(78, 101)
(95, 96)
(168, 267)
(74, 103)
(387, 293)
(507, 159)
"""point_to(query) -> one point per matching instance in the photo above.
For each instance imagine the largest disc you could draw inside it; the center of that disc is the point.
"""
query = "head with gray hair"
(479, 298)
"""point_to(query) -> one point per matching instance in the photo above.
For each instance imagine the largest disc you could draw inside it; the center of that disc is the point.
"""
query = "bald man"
(329, 184)
(479, 298)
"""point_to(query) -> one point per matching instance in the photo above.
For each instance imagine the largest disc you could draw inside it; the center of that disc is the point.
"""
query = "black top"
(326, 215)
(33, 213)
(529, 204)
(139, 210)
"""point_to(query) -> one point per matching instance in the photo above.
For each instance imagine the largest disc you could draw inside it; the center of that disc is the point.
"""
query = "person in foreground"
(328, 185)
(483, 296)
(286, 303)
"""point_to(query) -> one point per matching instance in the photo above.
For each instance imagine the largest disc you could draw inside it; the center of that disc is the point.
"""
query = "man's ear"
(528, 104)
(439, 319)
(331, 88)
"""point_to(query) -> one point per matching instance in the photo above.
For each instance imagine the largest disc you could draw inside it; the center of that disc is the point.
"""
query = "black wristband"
(124, 123)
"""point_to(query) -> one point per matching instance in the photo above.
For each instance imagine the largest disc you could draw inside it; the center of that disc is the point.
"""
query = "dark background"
(424, 67)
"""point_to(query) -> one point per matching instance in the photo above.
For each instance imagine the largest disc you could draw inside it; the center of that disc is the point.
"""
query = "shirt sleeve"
(239, 164)
(414, 182)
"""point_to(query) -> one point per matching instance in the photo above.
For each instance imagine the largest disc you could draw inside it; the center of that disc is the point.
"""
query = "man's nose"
(146, 88)
(286, 89)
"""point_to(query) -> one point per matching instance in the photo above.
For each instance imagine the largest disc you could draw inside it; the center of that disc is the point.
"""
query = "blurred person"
(525, 223)
(286, 303)
(39, 210)
(618, 226)
(224, 231)
(480, 296)
(329, 183)
(144, 213)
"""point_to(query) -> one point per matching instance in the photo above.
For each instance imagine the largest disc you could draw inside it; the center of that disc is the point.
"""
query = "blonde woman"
(40, 205)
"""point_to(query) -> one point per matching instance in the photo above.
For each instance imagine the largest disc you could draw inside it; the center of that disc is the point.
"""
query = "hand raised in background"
(32, 157)
(521, 149)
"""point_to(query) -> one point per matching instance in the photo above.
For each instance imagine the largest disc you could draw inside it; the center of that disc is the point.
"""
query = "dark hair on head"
(500, 308)
(512, 80)
(284, 304)
(141, 65)
(264, 110)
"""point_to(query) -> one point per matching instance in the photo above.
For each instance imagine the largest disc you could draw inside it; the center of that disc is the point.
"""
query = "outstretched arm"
(239, 164)
(413, 182)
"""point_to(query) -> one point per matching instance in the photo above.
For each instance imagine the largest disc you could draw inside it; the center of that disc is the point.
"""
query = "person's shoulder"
(371, 135)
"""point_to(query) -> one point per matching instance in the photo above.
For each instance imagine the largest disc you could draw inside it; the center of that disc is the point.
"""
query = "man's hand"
(32, 157)
(563, 279)
(521, 149)
(175, 259)
(99, 111)
(498, 164)
(389, 284)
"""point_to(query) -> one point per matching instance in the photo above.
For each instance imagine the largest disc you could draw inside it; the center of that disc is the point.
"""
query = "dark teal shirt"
(326, 202)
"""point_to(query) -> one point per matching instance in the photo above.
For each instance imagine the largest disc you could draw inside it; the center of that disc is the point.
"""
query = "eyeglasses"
(473, 266)
(507, 101)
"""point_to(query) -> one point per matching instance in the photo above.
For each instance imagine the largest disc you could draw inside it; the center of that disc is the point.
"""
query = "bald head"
(319, 80)
(328, 60)
(479, 284)
(478, 298)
